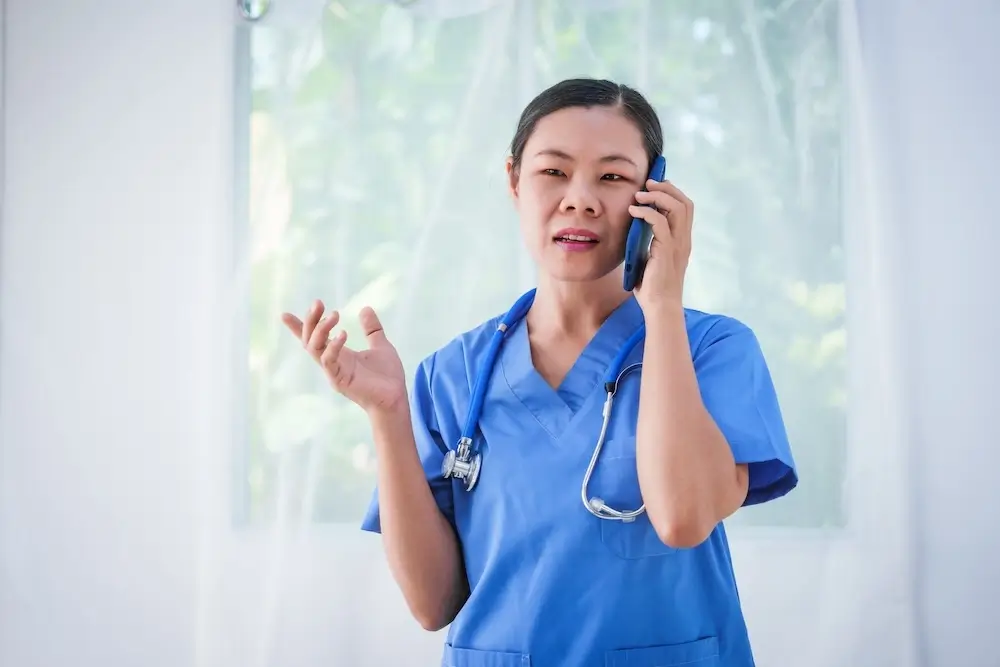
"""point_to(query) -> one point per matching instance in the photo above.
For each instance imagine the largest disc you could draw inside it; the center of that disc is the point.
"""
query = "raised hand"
(671, 214)
(372, 378)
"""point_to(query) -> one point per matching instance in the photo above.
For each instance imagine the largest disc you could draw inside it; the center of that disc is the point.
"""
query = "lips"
(575, 236)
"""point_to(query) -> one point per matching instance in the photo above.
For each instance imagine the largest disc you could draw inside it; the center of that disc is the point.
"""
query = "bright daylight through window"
(373, 139)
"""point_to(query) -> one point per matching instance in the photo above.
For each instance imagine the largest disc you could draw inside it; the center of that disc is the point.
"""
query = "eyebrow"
(614, 157)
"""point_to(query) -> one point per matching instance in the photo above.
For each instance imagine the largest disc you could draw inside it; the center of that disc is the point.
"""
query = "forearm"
(687, 474)
(421, 546)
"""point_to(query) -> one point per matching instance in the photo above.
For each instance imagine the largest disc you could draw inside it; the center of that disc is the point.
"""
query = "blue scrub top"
(550, 583)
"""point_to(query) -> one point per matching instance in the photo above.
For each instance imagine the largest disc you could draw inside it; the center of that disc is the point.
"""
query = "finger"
(330, 359)
(309, 323)
(674, 209)
(293, 323)
(321, 334)
(659, 221)
(672, 190)
(675, 192)
(372, 327)
(661, 200)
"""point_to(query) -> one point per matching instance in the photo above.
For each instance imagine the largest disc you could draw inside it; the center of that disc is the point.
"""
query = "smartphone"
(640, 235)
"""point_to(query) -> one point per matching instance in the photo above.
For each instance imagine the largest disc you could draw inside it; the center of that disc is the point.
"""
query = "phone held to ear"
(640, 235)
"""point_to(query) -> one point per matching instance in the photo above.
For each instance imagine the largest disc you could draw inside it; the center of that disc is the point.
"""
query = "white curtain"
(842, 155)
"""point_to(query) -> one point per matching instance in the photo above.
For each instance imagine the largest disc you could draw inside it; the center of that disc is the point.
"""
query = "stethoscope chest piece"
(462, 464)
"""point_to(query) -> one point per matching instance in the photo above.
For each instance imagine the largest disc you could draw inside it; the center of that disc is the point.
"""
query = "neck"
(574, 308)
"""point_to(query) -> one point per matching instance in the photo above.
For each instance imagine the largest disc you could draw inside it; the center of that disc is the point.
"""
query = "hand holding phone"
(640, 235)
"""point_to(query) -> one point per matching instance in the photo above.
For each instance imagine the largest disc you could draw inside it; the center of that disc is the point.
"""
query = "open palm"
(373, 378)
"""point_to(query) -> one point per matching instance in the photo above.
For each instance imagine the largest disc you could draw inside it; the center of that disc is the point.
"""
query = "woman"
(523, 569)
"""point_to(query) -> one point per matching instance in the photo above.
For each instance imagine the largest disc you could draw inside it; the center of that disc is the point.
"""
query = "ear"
(512, 178)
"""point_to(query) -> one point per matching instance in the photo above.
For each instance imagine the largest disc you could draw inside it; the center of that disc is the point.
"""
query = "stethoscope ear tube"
(465, 463)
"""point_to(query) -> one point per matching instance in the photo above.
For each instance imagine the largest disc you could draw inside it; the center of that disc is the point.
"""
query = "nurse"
(523, 572)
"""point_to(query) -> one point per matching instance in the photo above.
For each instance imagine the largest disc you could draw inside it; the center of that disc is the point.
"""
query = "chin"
(581, 272)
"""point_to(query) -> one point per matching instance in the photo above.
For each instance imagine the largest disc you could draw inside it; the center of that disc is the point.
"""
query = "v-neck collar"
(555, 409)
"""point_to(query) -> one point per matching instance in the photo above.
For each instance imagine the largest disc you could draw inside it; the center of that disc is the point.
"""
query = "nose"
(580, 198)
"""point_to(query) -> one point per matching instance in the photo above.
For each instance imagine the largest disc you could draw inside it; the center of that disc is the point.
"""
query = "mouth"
(576, 239)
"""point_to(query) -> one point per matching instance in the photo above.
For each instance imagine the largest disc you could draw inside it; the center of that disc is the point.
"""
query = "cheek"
(531, 218)
(618, 214)
(535, 205)
(623, 198)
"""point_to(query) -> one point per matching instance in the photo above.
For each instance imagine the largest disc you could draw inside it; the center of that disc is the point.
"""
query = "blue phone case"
(640, 235)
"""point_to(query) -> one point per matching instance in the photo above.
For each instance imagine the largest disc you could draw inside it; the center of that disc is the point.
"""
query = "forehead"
(587, 132)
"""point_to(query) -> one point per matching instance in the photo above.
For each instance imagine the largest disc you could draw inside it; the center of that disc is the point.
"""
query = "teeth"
(574, 237)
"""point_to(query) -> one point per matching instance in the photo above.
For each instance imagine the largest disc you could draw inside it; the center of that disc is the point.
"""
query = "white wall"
(116, 268)
(117, 145)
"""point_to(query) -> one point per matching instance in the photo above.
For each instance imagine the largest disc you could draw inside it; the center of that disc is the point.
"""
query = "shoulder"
(708, 329)
(459, 358)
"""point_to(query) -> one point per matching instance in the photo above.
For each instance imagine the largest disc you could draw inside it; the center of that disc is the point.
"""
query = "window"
(374, 136)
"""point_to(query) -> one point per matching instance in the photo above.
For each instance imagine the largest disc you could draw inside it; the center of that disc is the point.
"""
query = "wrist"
(390, 417)
(664, 313)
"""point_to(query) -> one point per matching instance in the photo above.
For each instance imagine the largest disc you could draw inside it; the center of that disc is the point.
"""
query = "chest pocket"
(464, 657)
(616, 481)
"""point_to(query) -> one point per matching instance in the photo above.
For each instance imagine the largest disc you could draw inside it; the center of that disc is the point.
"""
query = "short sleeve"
(430, 447)
(738, 392)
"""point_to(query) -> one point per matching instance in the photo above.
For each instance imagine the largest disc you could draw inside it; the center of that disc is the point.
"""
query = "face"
(579, 173)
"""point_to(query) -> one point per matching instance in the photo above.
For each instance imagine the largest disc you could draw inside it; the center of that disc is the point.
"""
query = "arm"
(420, 543)
(413, 507)
(710, 436)
(688, 475)
(417, 504)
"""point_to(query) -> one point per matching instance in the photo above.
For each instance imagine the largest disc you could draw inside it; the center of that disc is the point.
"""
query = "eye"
(612, 177)
(552, 172)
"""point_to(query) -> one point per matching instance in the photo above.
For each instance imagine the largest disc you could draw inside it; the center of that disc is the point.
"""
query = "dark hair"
(589, 93)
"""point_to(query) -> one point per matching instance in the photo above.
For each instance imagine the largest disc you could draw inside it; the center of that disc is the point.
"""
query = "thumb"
(372, 328)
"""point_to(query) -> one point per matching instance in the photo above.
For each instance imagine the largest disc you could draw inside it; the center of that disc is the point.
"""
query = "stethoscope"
(465, 463)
